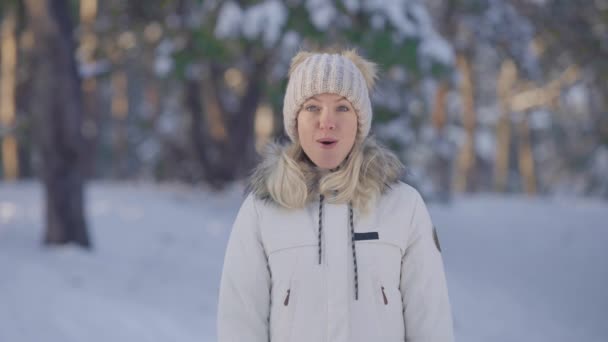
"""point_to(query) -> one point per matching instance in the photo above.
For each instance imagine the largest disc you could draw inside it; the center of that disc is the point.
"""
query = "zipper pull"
(384, 296)
(286, 302)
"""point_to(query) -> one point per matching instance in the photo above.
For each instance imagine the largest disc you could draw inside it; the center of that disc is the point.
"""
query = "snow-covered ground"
(519, 269)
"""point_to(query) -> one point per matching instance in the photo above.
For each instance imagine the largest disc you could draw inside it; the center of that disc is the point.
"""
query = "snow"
(93, 69)
(523, 269)
(395, 12)
(291, 39)
(228, 21)
(264, 20)
(518, 268)
(397, 129)
(321, 12)
(432, 44)
(501, 24)
(267, 20)
(351, 5)
(437, 48)
(540, 119)
(152, 276)
(577, 98)
(163, 62)
(163, 65)
(412, 19)
(485, 144)
(378, 22)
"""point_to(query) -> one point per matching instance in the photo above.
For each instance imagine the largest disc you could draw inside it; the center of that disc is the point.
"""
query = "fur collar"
(380, 166)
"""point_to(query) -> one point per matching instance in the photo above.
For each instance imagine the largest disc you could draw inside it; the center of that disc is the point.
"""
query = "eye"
(343, 108)
(311, 108)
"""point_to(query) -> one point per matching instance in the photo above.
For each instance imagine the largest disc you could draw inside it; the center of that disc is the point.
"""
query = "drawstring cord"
(321, 198)
(352, 236)
(352, 239)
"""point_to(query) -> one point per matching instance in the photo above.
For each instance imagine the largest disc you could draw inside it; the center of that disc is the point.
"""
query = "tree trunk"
(224, 147)
(120, 113)
(23, 96)
(8, 66)
(58, 114)
(242, 126)
(442, 147)
(501, 166)
(206, 149)
(88, 46)
(465, 173)
(526, 157)
(506, 80)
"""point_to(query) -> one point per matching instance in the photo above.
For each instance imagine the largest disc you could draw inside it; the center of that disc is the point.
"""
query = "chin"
(327, 164)
(327, 167)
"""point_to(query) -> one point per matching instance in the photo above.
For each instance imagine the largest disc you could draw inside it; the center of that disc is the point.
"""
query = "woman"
(329, 245)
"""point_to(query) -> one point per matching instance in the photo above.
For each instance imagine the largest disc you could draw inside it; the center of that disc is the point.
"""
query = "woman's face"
(327, 128)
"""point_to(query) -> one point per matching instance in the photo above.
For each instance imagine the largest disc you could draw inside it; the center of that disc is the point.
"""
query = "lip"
(327, 143)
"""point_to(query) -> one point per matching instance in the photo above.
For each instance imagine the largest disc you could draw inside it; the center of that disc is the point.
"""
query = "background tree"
(58, 112)
(473, 96)
(236, 57)
(575, 39)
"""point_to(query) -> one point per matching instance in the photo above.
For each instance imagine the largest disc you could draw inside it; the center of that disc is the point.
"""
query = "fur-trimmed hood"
(379, 170)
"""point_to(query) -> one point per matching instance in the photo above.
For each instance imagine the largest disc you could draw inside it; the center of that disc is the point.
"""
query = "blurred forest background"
(474, 96)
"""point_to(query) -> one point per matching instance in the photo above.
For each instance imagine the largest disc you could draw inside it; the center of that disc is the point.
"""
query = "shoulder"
(402, 193)
(402, 202)
(399, 203)
(263, 206)
(250, 207)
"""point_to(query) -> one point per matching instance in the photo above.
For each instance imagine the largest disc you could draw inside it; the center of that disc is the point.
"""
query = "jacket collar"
(381, 167)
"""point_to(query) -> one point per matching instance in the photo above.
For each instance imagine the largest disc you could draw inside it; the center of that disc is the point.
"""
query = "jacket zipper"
(384, 296)
(286, 302)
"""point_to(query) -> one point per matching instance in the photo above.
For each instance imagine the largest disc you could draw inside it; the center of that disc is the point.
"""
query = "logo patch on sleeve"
(436, 239)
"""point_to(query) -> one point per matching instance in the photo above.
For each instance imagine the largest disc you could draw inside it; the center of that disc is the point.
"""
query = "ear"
(367, 68)
(298, 59)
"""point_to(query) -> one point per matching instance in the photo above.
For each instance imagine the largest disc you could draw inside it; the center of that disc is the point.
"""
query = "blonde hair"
(296, 180)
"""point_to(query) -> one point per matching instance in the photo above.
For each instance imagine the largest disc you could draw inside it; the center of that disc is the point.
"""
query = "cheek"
(303, 127)
(352, 127)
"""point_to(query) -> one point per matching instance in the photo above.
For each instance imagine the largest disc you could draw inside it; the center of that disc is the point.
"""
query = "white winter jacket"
(284, 281)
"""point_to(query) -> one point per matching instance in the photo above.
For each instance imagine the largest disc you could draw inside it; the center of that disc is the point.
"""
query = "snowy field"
(519, 269)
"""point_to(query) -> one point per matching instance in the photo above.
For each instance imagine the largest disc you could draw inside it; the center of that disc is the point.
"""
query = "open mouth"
(327, 142)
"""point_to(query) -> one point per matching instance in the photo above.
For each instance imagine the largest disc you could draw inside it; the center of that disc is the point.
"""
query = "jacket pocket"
(389, 309)
(384, 295)
(286, 301)
(283, 313)
(380, 294)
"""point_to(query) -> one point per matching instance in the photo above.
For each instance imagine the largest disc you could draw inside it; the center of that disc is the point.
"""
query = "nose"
(327, 120)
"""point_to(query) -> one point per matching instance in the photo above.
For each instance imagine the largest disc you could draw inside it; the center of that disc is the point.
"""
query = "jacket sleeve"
(427, 312)
(244, 296)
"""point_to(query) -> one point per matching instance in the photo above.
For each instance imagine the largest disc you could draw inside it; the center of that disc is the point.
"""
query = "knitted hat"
(346, 74)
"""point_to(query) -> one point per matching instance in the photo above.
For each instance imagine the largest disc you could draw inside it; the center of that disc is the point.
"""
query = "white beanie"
(346, 74)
